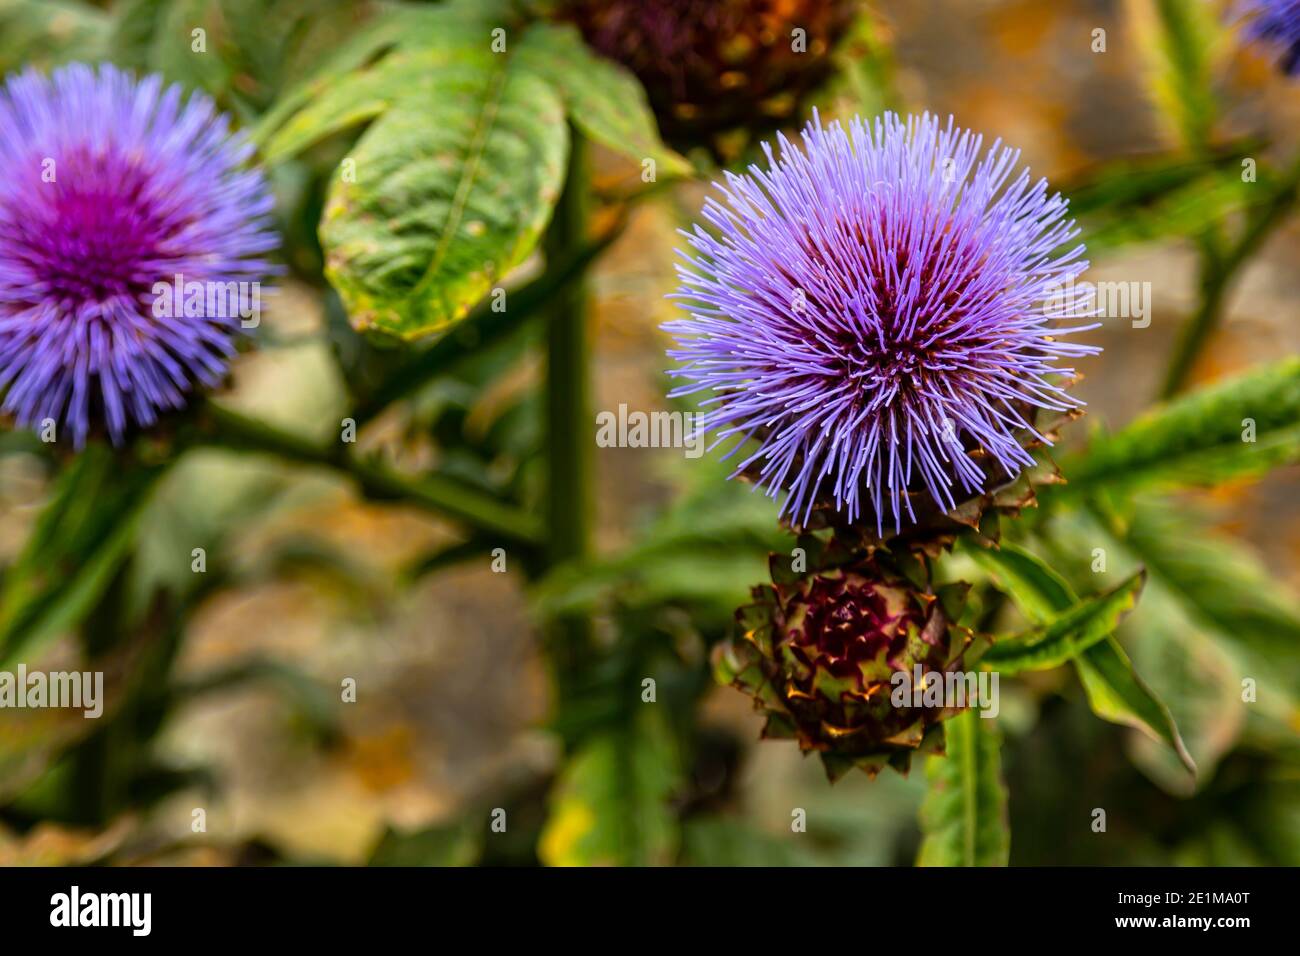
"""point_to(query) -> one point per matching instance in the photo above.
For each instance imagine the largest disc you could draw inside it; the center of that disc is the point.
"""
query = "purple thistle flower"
(113, 185)
(875, 307)
(1277, 22)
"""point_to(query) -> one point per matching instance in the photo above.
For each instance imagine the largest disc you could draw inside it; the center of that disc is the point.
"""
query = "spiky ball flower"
(1275, 22)
(830, 655)
(878, 312)
(112, 186)
(714, 65)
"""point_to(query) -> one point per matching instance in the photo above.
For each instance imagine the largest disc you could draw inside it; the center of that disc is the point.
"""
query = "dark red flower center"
(908, 352)
(848, 623)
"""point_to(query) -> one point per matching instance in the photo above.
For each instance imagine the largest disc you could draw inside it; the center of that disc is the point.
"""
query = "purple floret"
(872, 307)
(1275, 22)
(112, 185)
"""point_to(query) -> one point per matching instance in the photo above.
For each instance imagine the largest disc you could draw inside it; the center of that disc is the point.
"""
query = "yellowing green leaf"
(452, 190)
(611, 805)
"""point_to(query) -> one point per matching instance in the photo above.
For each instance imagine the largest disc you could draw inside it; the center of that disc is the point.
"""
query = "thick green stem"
(226, 428)
(569, 425)
(1191, 340)
(1217, 272)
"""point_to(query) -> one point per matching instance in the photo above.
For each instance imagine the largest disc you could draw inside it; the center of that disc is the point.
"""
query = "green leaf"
(130, 39)
(336, 71)
(1198, 439)
(451, 185)
(459, 171)
(80, 541)
(1228, 591)
(1181, 658)
(173, 55)
(344, 101)
(1167, 195)
(1068, 634)
(1038, 591)
(604, 99)
(450, 195)
(611, 803)
(964, 816)
(1115, 692)
(1199, 681)
(249, 47)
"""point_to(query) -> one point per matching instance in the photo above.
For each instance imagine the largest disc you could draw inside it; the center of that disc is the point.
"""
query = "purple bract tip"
(1275, 22)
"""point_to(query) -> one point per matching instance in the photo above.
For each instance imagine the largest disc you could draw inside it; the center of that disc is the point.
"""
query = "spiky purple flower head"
(877, 311)
(1275, 22)
(113, 185)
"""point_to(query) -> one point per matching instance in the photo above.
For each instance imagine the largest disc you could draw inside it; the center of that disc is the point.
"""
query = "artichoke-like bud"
(825, 652)
(710, 66)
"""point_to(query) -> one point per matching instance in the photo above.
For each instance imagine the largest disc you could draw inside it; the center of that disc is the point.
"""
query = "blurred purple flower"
(876, 310)
(1276, 22)
(111, 186)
